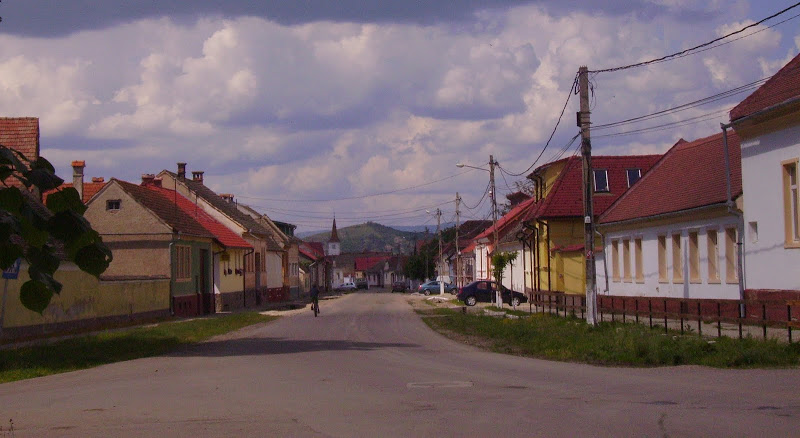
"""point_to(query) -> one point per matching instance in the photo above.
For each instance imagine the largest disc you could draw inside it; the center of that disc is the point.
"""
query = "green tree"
(38, 233)
(499, 262)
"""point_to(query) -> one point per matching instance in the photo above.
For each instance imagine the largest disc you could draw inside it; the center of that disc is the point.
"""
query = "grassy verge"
(569, 339)
(107, 347)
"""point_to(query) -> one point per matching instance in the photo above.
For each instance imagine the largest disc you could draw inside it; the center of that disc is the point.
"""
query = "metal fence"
(743, 315)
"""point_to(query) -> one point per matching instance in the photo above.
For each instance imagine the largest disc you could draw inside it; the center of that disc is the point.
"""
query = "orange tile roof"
(690, 175)
(22, 135)
(781, 87)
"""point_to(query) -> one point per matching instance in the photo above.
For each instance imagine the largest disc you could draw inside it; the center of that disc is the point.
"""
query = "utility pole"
(498, 296)
(588, 190)
(458, 250)
(441, 259)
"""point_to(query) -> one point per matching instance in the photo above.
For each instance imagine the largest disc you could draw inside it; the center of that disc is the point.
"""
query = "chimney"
(227, 196)
(157, 182)
(98, 179)
(197, 175)
(77, 176)
(181, 170)
(147, 179)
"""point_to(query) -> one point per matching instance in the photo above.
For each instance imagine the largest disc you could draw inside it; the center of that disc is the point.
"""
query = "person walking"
(315, 299)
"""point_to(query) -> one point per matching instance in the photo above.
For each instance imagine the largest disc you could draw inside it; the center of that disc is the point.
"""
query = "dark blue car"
(485, 290)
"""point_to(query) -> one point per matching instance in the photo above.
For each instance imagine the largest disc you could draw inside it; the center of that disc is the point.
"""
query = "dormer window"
(633, 176)
(601, 180)
(113, 204)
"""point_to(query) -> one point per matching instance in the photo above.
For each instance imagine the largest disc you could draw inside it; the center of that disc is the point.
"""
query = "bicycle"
(315, 307)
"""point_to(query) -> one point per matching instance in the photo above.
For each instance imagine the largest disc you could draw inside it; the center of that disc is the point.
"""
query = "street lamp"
(492, 193)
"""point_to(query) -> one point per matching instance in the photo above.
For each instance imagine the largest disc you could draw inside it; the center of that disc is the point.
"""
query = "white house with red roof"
(768, 124)
(674, 233)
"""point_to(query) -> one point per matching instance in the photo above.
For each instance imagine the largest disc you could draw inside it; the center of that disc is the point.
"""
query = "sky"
(362, 109)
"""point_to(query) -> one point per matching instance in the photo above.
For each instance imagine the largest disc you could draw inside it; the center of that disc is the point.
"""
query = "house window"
(633, 176)
(791, 213)
(637, 250)
(600, 180)
(753, 232)
(677, 260)
(731, 276)
(626, 260)
(662, 259)
(615, 260)
(694, 258)
(113, 204)
(713, 255)
(183, 262)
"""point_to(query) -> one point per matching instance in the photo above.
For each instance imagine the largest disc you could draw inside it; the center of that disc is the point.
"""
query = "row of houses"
(716, 217)
(178, 247)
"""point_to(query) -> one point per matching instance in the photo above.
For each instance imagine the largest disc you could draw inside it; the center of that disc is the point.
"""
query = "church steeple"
(334, 234)
(332, 248)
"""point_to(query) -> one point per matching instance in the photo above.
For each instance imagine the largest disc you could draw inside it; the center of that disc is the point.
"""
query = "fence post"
(680, 313)
(665, 315)
(789, 320)
(623, 310)
(719, 320)
(583, 306)
(612, 308)
(650, 311)
(636, 303)
(699, 319)
(743, 312)
(764, 318)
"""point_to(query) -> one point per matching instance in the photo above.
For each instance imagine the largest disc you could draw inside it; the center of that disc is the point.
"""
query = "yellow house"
(553, 231)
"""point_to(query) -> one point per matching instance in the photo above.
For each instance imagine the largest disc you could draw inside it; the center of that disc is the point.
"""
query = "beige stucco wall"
(85, 297)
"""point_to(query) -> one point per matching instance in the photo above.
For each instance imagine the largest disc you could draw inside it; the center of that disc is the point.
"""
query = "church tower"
(333, 247)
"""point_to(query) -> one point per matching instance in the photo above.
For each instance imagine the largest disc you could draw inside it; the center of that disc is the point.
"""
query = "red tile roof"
(565, 199)
(781, 87)
(222, 234)
(690, 175)
(365, 263)
(505, 223)
(89, 190)
(22, 135)
(164, 209)
(317, 247)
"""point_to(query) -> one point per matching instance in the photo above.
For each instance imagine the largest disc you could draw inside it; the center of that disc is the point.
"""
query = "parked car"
(362, 283)
(432, 287)
(399, 286)
(347, 287)
(485, 291)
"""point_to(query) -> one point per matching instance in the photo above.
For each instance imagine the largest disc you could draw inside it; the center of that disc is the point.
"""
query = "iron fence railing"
(742, 314)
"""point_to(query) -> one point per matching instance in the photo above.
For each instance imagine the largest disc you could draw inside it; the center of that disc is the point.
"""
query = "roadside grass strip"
(116, 346)
(610, 343)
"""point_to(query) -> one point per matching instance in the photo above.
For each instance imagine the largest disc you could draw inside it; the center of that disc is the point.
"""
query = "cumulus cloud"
(342, 109)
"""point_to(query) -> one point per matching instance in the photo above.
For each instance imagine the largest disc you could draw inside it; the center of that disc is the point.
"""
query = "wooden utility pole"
(458, 250)
(498, 296)
(441, 259)
(588, 190)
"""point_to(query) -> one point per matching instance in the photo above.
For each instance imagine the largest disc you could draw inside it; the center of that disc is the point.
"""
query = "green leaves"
(39, 233)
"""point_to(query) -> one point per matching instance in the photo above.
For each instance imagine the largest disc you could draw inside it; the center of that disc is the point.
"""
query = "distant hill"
(372, 236)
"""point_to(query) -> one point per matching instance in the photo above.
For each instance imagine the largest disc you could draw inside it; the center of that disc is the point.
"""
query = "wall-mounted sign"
(13, 271)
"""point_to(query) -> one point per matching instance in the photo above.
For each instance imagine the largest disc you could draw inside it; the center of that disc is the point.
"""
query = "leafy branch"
(41, 235)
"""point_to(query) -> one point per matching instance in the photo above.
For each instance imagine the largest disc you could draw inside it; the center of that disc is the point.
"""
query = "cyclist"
(315, 298)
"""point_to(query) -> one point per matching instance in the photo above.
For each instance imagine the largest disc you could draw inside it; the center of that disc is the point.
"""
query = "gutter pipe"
(739, 215)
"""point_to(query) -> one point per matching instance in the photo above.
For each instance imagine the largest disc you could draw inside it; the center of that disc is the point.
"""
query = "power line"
(485, 192)
(683, 52)
(665, 126)
(360, 213)
(569, 95)
(362, 196)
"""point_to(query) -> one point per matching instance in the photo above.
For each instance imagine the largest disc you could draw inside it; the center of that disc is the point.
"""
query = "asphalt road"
(368, 366)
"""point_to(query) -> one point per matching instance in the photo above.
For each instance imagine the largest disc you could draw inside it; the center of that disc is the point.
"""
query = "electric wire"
(569, 95)
(693, 49)
(350, 198)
